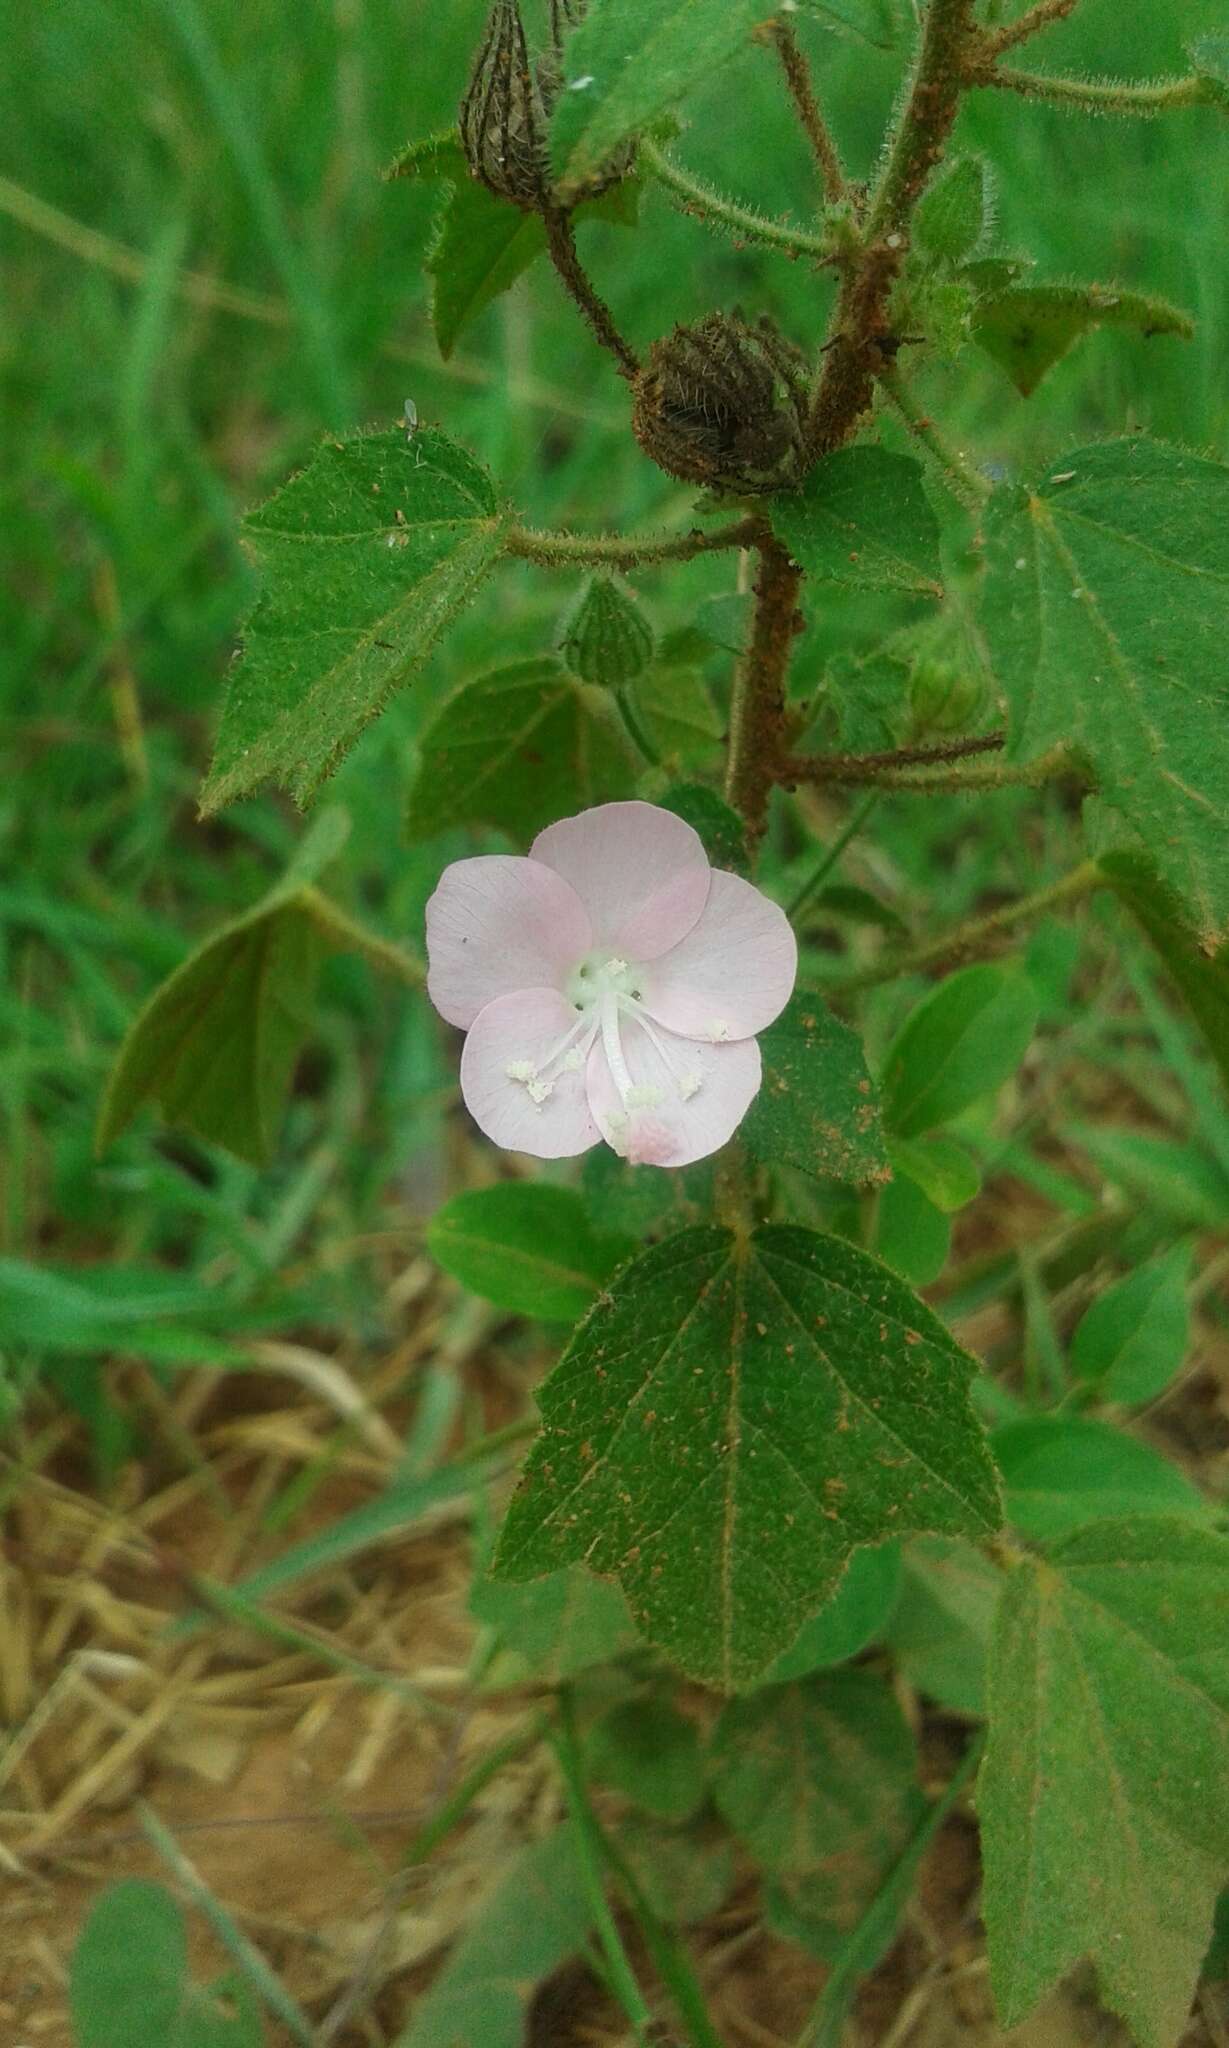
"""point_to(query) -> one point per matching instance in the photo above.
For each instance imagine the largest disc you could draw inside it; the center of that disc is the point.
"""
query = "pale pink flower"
(611, 985)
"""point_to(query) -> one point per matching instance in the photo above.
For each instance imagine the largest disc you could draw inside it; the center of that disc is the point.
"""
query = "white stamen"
(520, 1070)
(644, 1096)
(573, 1061)
(690, 1085)
(718, 1030)
(539, 1092)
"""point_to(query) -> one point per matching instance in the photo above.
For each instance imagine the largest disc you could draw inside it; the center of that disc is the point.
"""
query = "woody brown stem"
(802, 92)
(757, 715)
(561, 243)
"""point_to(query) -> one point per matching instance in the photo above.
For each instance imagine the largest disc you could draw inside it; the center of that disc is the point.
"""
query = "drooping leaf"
(962, 1042)
(553, 1628)
(1060, 1471)
(517, 749)
(526, 1246)
(939, 1632)
(365, 557)
(953, 215)
(729, 1423)
(855, 1616)
(817, 1107)
(1201, 978)
(1104, 615)
(628, 63)
(863, 518)
(819, 1781)
(1104, 1799)
(535, 1918)
(1131, 1343)
(650, 1753)
(130, 1986)
(1027, 328)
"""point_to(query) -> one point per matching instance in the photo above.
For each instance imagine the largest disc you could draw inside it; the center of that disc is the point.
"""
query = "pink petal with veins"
(674, 1121)
(496, 924)
(732, 974)
(523, 1030)
(641, 873)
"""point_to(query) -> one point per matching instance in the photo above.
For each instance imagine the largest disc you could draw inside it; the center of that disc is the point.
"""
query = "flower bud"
(503, 118)
(945, 696)
(725, 404)
(605, 636)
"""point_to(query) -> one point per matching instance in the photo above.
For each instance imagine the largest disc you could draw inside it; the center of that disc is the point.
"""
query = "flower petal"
(684, 1109)
(641, 873)
(524, 1029)
(732, 974)
(496, 924)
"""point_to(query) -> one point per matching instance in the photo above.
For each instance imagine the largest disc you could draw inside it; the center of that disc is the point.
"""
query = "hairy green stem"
(976, 934)
(561, 246)
(853, 770)
(612, 551)
(701, 200)
(828, 860)
(962, 479)
(815, 128)
(757, 712)
(1100, 95)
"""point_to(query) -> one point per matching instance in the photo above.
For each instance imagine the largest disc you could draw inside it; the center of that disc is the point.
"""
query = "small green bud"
(604, 635)
(944, 696)
(725, 404)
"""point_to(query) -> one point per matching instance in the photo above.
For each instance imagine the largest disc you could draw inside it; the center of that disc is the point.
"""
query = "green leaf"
(365, 558)
(1132, 1342)
(1060, 1471)
(517, 749)
(605, 637)
(855, 1616)
(1202, 979)
(912, 1236)
(817, 1107)
(819, 1780)
(720, 828)
(1104, 614)
(129, 1985)
(1209, 57)
(650, 1753)
(553, 1629)
(953, 215)
(1027, 328)
(526, 1246)
(483, 243)
(628, 63)
(871, 701)
(729, 1423)
(962, 1042)
(677, 707)
(1179, 1182)
(535, 1918)
(940, 1629)
(638, 1199)
(863, 518)
(947, 1174)
(686, 1874)
(146, 1311)
(433, 156)
(1104, 1799)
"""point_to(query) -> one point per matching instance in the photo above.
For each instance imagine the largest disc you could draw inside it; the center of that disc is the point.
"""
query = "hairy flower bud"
(503, 118)
(605, 636)
(724, 404)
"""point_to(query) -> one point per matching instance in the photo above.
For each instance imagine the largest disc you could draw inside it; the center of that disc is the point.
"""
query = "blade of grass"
(622, 1977)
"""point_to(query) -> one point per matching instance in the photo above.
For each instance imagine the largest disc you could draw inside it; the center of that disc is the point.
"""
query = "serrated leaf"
(729, 1423)
(517, 749)
(1027, 328)
(817, 1107)
(1132, 1342)
(536, 1917)
(1104, 1800)
(962, 1042)
(628, 63)
(856, 1614)
(130, 1987)
(952, 217)
(650, 1753)
(1201, 978)
(526, 1246)
(365, 557)
(819, 1781)
(940, 1627)
(863, 518)
(552, 1629)
(1104, 614)
(1060, 1471)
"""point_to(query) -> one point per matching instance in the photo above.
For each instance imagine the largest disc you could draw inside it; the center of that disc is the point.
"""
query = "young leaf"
(1060, 1471)
(553, 1629)
(855, 1616)
(947, 1175)
(863, 518)
(729, 1423)
(817, 1107)
(1104, 615)
(819, 1780)
(912, 1236)
(1104, 1800)
(628, 63)
(1027, 328)
(1132, 1341)
(517, 749)
(605, 637)
(1202, 979)
(940, 1626)
(366, 556)
(650, 1753)
(130, 1988)
(526, 1246)
(952, 216)
(962, 1041)
(536, 1917)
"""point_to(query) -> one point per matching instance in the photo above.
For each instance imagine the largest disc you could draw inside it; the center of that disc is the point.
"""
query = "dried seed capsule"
(605, 636)
(725, 404)
(503, 119)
